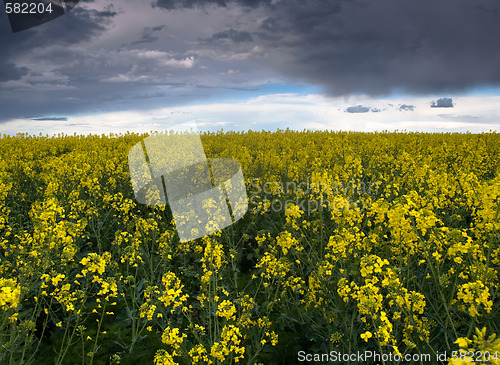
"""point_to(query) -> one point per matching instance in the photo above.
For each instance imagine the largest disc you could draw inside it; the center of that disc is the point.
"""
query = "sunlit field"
(377, 243)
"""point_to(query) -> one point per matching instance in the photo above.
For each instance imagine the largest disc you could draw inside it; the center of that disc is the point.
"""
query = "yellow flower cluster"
(9, 293)
(229, 345)
(475, 294)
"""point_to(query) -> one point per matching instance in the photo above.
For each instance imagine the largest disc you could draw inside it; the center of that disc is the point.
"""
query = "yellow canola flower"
(95, 263)
(475, 294)
(226, 310)
(10, 293)
(366, 336)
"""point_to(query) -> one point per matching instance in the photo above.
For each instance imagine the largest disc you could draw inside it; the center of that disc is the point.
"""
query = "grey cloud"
(148, 36)
(358, 109)
(9, 71)
(406, 108)
(77, 26)
(233, 35)
(190, 4)
(362, 109)
(61, 68)
(271, 25)
(47, 79)
(56, 119)
(492, 8)
(442, 103)
(186, 4)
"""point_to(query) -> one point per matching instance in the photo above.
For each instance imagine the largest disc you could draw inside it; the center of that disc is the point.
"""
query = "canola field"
(373, 243)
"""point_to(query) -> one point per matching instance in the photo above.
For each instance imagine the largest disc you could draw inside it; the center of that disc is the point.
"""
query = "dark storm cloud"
(376, 47)
(406, 108)
(39, 74)
(9, 71)
(78, 25)
(442, 103)
(190, 4)
(489, 7)
(372, 47)
(358, 109)
(186, 4)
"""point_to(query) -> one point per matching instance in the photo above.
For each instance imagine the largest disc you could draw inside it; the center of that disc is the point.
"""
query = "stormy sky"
(142, 65)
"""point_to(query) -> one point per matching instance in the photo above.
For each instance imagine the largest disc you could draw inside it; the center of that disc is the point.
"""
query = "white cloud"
(187, 62)
(472, 113)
